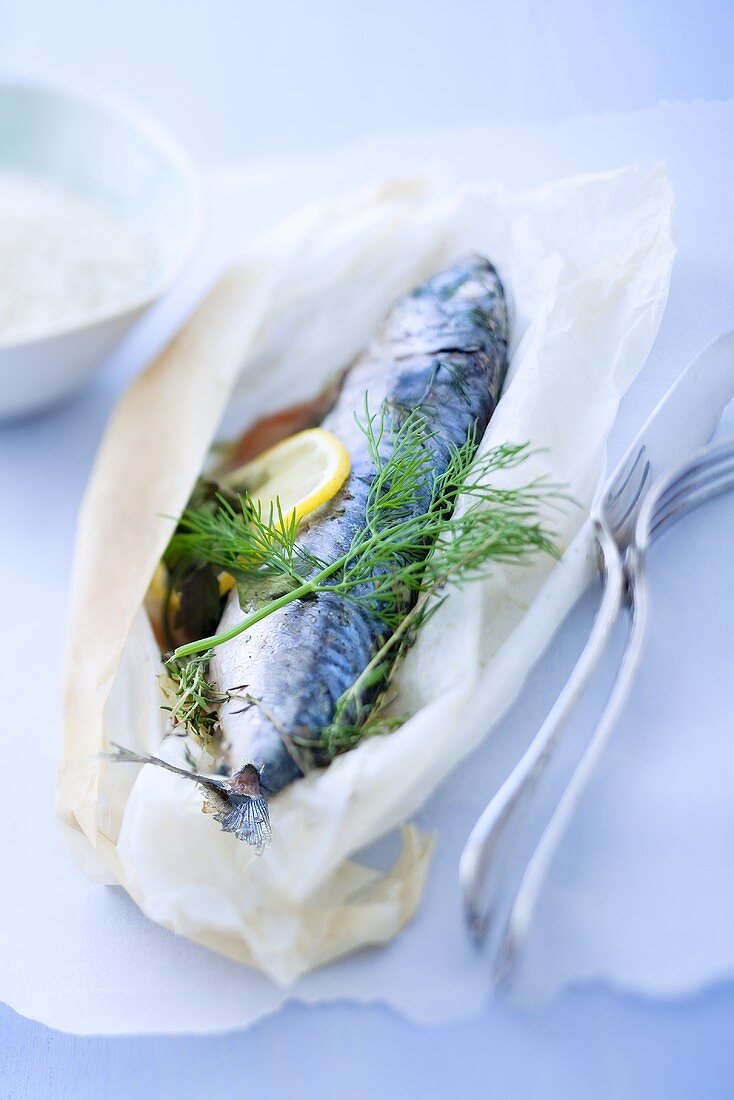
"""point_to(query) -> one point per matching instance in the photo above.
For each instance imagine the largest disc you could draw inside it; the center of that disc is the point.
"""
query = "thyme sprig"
(194, 703)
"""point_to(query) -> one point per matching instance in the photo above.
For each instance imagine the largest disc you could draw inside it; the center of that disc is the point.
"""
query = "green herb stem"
(308, 588)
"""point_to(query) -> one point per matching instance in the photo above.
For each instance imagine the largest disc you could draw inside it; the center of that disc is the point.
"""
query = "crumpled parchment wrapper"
(586, 262)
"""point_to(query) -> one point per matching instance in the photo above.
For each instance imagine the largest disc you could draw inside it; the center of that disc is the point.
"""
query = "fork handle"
(495, 856)
(525, 900)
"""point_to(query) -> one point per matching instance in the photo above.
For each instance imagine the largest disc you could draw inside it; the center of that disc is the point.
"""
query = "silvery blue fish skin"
(443, 350)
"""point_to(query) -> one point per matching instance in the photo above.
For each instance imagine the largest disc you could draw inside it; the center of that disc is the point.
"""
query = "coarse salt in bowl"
(99, 209)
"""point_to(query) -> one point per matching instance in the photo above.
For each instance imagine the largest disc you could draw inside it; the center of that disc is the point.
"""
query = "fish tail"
(245, 812)
(248, 818)
(239, 805)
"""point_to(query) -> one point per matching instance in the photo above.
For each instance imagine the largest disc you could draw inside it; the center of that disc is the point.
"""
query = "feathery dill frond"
(414, 543)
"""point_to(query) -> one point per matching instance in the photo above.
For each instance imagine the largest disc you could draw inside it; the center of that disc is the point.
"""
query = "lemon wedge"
(303, 472)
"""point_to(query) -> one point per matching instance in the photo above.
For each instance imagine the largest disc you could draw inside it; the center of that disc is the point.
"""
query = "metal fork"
(709, 473)
(492, 846)
(495, 843)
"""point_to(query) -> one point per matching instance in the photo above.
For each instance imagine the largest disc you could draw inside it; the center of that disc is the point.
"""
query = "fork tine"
(620, 521)
(624, 477)
(702, 479)
(621, 501)
(696, 474)
(686, 502)
(695, 477)
(694, 485)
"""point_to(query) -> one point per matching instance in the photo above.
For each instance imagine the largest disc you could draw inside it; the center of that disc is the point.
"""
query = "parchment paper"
(587, 264)
(639, 899)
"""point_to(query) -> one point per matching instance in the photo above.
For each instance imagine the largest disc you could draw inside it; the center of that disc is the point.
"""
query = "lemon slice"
(302, 472)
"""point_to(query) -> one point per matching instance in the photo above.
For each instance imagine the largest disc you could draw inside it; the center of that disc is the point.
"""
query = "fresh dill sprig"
(411, 544)
(241, 539)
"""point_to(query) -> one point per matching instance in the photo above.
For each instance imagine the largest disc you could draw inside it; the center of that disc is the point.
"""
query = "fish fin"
(121, 755)
(247, 818)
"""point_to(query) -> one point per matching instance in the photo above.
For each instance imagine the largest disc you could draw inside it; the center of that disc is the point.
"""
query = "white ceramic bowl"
(111, 153)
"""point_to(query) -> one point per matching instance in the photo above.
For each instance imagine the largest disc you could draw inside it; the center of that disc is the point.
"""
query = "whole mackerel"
(443, 350)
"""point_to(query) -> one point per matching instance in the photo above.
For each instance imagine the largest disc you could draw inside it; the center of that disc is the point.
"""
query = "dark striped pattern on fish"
(443, 349)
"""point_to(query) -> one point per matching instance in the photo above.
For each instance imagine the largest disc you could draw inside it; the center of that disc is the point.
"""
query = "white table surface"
(240, 79)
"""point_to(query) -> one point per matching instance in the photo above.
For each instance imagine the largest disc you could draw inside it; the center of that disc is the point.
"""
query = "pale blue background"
(238, 79)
